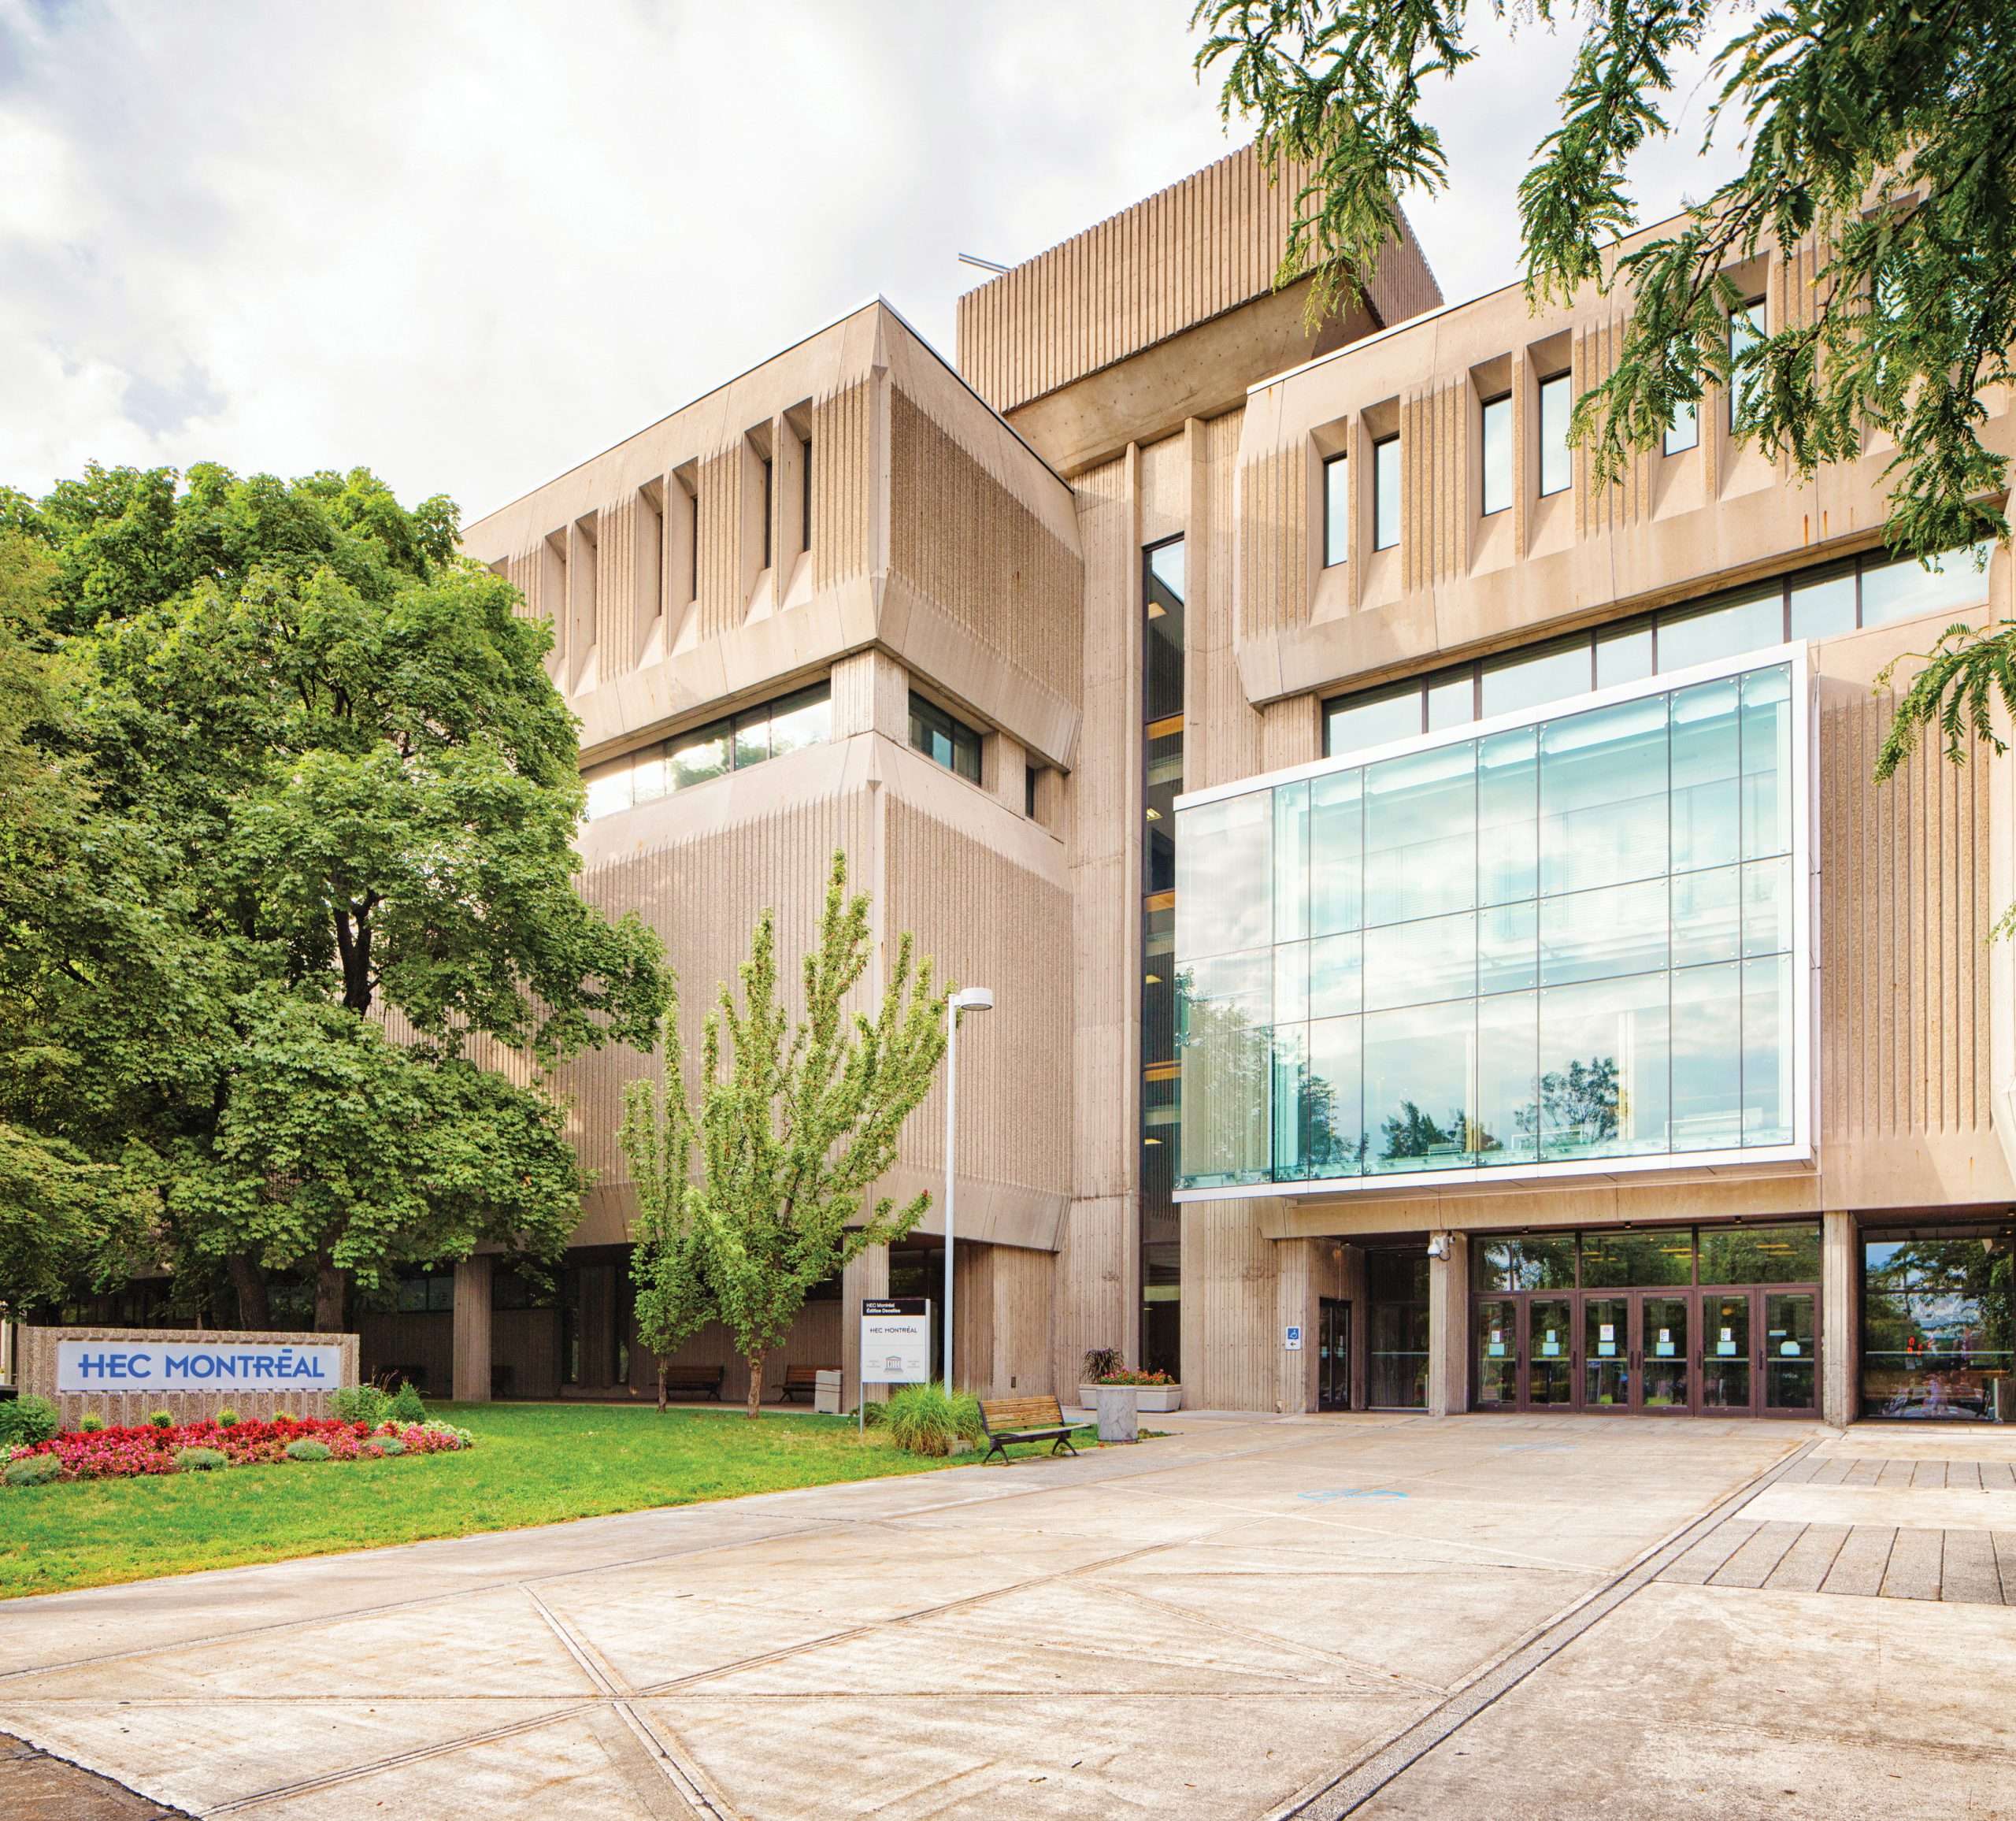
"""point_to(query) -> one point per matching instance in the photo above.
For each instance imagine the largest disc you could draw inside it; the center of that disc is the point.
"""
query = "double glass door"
(1666, 1351)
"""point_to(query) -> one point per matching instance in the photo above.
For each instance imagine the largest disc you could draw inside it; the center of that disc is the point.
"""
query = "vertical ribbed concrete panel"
(1276, 564)
(726, 563)
(1229, 1295)
(843, 484)
(1222, 735)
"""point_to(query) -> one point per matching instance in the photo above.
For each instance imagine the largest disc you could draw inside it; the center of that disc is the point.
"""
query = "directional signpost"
(895, 1344)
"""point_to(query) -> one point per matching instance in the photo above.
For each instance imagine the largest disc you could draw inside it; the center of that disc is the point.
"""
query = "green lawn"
(533, 1463)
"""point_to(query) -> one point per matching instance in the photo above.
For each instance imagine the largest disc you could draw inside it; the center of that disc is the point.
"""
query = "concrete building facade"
(1448, 949)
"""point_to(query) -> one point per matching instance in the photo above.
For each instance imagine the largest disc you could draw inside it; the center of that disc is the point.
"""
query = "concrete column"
(472, 1338)
(1841, 1320)
(871, 695)
(1449, 1328)
(1296, 1270)
(867, 1276)
(1004, 770)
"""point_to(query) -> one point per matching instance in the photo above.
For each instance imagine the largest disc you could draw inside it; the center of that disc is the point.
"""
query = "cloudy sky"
(467, 244)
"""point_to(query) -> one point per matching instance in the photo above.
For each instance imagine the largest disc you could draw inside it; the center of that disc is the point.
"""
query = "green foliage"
(390, 1445)
(274, 761)
(36, 1470)
(90, 1424)
(1883, 132)
(201, 1459)
(159, 1419)
(25, 1421)
(306, 1449)
(229, 1418)
(1101, 1362)
(364, 1403)
(795, 1120)
(924, 1419)
(406, 1406)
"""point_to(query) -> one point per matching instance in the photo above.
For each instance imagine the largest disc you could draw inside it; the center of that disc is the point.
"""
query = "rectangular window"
(944, 738)
(1029, 792)
(1746, 328)
(1337, 511)
(805, 494)
(1683, 430)
(1497, 415)
(804, 718)
(1354, 721)
(1557, 403)
(1386, 493)
(770, 508)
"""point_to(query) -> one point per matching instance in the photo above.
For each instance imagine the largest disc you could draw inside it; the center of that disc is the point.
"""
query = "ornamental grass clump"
(922, 1419)
(307, 1449)
(364, 1403)
(200, 1460)
(33, 1470)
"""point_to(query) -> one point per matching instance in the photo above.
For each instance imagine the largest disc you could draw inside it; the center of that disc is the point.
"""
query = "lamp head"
(974, 998)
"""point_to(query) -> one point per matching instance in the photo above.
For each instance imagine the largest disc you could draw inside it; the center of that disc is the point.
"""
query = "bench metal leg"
(1063, 1444)
(992, 1452)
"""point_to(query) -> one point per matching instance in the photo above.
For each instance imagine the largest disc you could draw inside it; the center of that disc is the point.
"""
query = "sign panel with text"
(896, 1340)
(172, 1366)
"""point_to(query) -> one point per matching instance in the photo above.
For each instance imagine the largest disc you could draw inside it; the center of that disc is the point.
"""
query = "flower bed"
(130, 1453)
(1133, 1378)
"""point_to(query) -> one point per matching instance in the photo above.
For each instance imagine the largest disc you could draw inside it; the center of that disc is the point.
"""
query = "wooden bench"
(1007, 1419)
(803, 1379)
(695, 1380)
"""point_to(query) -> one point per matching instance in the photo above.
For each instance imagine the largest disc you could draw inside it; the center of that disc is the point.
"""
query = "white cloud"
(470, 245)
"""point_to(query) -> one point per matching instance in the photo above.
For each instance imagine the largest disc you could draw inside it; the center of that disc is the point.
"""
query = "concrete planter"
(1156, 1399)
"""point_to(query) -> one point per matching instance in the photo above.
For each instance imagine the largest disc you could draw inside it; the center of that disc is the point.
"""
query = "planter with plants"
(1155, 1391)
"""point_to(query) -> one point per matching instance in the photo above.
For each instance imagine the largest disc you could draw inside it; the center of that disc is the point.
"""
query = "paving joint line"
(1359, 1782)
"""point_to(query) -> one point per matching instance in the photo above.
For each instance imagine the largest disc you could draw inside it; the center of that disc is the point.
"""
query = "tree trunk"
(660, 1388)
(755, 1385)
(255, 1308)
(331, 1282)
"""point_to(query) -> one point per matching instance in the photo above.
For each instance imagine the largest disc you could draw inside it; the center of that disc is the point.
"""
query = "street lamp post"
(968, 999)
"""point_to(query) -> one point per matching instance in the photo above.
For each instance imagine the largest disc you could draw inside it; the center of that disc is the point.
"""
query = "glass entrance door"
(1728, 1385)
(1665, 1372)
(1550, 1352)
(1606, 1352)
(1790, 1354)
(1333, 1359)
(1497, 1330)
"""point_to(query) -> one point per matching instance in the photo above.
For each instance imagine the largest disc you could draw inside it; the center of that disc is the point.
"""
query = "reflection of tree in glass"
(1228, 1079)
(1411, 1133)
(1332, 1145)
(1582, 1103)
(1941, 1293)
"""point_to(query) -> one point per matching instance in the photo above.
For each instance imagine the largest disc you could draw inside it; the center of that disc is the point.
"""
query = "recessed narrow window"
(804, 494)
(944, 738)
(1029, 792)
(1746, 328)
(1336, 509)
(1386, 493)
(1497, 425)
(1557, 401)
(1683, 428)
(769, 507)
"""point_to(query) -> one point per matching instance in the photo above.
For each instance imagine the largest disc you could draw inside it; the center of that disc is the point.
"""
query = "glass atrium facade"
(1555, 941)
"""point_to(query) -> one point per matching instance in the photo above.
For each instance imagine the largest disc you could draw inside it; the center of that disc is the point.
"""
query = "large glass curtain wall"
(1161, 1107)
(1939, 1323)
(1565, 940)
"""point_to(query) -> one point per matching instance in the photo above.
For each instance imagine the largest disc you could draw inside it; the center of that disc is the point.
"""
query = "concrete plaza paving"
(1384, 1616)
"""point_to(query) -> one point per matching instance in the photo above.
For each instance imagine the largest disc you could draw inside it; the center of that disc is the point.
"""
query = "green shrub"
(200, 1459)
(25, 1421)
(1100, 1362)
(874, 1415)
(90, 1424)
(161, 1419)
(229, 1418)
(923, 1420)
(364, 1403)
(390, 1445)
(34, 1470)
(407, 1407)
(307, 1449)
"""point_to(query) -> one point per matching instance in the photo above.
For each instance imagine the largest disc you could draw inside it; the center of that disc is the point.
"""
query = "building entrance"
(1559, 1323)
(1333, 1355)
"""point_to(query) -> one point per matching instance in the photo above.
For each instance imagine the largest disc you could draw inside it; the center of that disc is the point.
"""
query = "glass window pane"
(1415, 963)
(697, 757)
(1896, 590)
(1760, 1255)
(1337, 509)
(1557, 402)
(1613, 1260)
(1452, 702)
(651, 774)
(1497, 455)
(1767, 906)
(1624, 657)
(1594, 935)
(1336, 847)
(1418, 1087)
(1767, 1051)
(1707, 1059)
(752, 736)
(1823, 606)
(1291, 983)
(1602, 796)
(1226, 1084)
(1353, 722)
(1223, 861)
(1746, 328)
(1767, 762)
(1728, 629)
(1602, 1068)
(802, 720)
(1244, 982)
(1507, 1124)
(1707, 916)
(1491, 1264)
(1336, 1140)
(1291, 861)
(609, 789)
(1683, 429)
(1163, 634)
(1386, 494)
(1162, 782)
(1508, 816)
(1508, 948)
(1545, 1264)
(1291, 1088)
(1534, 679)
(1706, 768)
(1420, 834)
(1336, 978)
